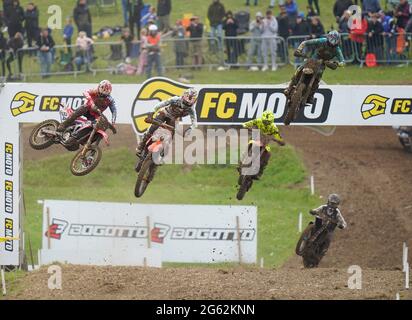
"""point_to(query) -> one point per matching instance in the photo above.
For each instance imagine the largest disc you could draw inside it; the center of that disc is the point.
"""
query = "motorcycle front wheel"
(39, 140)
(82, 165)
(294, 103)
(145, 176)
(244, 186)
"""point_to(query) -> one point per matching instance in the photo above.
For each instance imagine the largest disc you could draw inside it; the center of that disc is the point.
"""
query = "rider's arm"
(113, 109)
(89, 94)
(163, 104)
(312, 42)
(341, 222)
(276, 135)
(193, 118)
(250, 124)
(317, 211)
(341, 59)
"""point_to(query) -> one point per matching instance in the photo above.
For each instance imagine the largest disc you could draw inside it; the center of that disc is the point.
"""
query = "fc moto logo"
(227, 106)
(52, 103)
(238, 105)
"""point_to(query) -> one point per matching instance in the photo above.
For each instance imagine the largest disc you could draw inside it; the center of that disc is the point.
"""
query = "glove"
(341, 64)
(298, 53)
(114, 128)
(312, 212)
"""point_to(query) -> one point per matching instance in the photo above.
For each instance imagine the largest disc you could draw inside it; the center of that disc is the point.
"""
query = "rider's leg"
(263, 162)
(70, 120)
(315, 87)
(160, 117)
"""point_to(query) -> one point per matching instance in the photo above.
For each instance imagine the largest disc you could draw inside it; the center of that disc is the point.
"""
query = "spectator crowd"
(262, 41)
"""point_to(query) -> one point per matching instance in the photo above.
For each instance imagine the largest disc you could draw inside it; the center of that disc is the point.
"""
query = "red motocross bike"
(83, 134)
(152, 155)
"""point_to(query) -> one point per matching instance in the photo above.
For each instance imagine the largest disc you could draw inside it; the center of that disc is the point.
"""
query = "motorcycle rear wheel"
(36, 134)
(79, 167)
(295, 103)
(244, 187)
(145, 176)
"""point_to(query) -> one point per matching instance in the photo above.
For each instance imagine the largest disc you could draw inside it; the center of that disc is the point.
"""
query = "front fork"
(89, 142)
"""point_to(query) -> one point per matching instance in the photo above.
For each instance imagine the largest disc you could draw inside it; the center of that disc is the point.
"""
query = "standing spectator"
(316, 2)
(340, 7)
(31, 17)
(137, 17)
(164, 7)
(316, 28)
(273, 3)
(255, 1)
(143, 52)
(153, 51)
(84, 46)
(83, 18)
(14, 45)
(195, 30)
(7, 6)
(127, 38)
(125, 10)
(389, 30)
(343, 27)
(180, 44)
(45, 43)
(230, 26)
(375, 37)
(151, 16)
(301, 29)
(357, 35)
(284, 30)
(215, 14)
(3, 50)
(15, 18)
(291, 8)
(255, 49)
(270, 31)
(68, 33)
(402, 14)
(371, 6)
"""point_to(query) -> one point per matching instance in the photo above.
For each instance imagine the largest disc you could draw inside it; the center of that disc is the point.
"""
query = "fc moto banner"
(183, 233)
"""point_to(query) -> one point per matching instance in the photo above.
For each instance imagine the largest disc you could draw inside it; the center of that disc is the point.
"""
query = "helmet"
(268, 117)
(333, 38)
(333, 200)
(153, 27)
(189, 97)
(105, 88)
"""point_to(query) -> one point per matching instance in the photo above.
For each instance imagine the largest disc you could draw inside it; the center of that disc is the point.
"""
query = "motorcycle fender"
(104, 135)
(155, 146)
(308, 71)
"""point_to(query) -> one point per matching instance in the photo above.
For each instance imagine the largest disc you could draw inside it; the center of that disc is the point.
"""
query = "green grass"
(280, 195)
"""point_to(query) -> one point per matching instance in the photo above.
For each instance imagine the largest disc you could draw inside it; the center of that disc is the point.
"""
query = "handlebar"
(160, 124)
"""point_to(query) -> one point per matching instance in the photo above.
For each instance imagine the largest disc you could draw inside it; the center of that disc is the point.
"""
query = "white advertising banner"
(183, 233)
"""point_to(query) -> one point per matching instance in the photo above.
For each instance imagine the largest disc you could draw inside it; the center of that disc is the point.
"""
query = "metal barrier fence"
(207, 52)
(384, 48)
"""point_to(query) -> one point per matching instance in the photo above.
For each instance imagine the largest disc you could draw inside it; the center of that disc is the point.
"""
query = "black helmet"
(333, 200)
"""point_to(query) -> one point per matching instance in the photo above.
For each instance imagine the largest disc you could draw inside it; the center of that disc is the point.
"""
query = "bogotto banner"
(183, 233)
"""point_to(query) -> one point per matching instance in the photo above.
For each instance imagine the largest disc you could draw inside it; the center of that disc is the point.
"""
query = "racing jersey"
(101, 102)
(269, 131)
(322, 50)
(175, 108)
(332, 214)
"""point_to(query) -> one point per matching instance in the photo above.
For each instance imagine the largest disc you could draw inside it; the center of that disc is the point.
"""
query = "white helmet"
(189, 97)
(153, 27)
(105, 88)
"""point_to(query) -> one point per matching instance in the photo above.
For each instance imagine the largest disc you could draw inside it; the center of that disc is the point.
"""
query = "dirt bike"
(314, 243)
(83, 134)
(152, 155)
(299, 94)
(405, 137)
(245, 181)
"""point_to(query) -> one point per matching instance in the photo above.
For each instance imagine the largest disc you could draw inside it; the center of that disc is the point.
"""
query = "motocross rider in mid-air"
(323, 48)
(267, 127)
(97, 101)
(169, 111)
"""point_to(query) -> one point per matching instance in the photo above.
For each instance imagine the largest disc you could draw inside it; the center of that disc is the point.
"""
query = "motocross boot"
(142, 144)
(315, 87)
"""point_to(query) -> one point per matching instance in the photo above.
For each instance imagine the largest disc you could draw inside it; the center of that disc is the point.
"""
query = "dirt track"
(370, 171)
